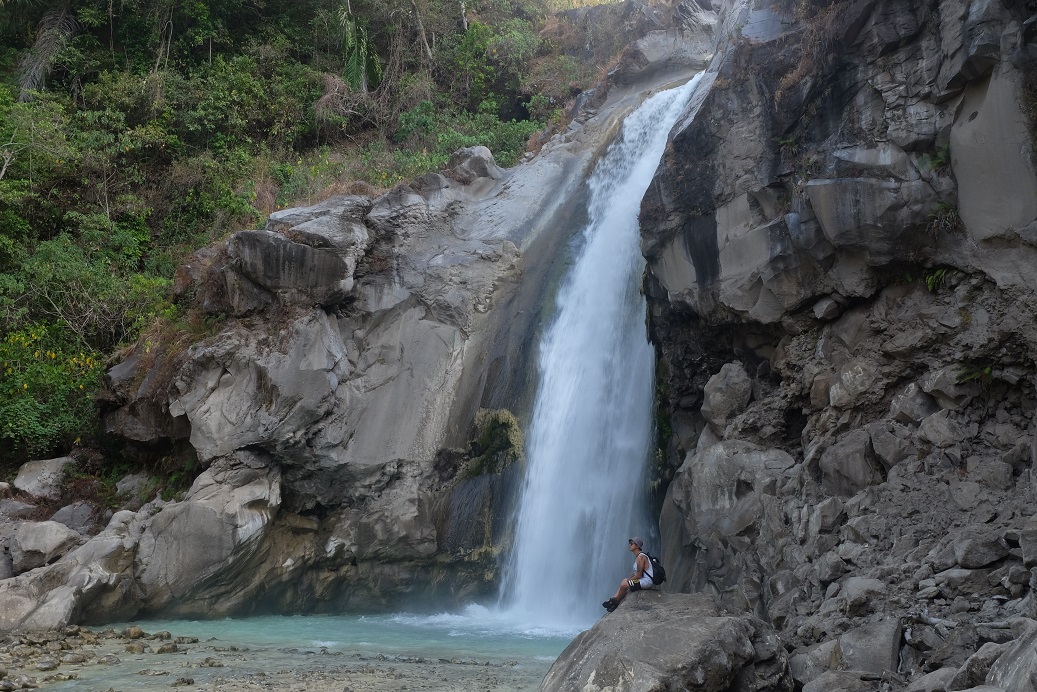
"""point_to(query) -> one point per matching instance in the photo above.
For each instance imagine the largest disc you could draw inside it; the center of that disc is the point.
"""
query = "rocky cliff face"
(334, 407)
(842, 251)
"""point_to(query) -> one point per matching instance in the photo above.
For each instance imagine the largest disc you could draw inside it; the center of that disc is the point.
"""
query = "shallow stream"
(477, 649)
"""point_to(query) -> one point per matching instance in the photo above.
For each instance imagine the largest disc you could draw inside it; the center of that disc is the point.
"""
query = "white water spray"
(591, 429)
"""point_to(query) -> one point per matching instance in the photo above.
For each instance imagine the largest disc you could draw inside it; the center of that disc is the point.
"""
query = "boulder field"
(842, 250)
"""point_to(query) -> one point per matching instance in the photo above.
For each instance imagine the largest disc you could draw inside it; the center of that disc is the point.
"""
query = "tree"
(53, 32)
(361, 68)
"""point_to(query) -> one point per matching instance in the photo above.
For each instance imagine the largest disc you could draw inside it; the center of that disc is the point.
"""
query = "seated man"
(640, 578)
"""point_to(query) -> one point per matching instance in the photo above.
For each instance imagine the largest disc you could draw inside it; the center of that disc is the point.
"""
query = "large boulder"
(34, 544)
(189, 548)
(44, 478)
(723, 491)
(93, 583)
(726, 394)
(1016, 667)
(850, 465)
(656, 641)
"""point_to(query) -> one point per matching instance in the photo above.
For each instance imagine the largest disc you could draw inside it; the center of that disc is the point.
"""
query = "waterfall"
(591, 430)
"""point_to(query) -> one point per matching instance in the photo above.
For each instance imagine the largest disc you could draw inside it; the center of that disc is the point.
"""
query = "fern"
(52, 34)
(361, 69)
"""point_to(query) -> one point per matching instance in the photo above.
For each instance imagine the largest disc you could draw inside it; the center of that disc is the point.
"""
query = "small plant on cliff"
(818, 45)
(936, 278)
(972, 373)
(944, 219)
(498, 442)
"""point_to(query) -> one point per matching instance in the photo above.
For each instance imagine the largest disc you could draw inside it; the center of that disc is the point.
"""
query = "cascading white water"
(591, 428)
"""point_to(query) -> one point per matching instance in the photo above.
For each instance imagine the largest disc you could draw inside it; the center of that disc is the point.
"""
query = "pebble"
(85, 653)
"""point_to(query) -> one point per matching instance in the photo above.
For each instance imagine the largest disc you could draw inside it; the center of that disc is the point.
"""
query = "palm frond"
(56, 27)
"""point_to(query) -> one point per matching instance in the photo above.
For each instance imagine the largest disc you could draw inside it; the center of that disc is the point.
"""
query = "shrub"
(438, 133)
(47, 386)
(498, 442)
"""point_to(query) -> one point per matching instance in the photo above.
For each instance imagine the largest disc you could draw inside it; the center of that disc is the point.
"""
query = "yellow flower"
(25, 386)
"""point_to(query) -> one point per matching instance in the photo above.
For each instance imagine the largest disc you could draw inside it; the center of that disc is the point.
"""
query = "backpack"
(658, 571)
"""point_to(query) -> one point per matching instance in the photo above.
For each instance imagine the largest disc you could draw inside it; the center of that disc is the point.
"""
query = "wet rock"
(132, 485)
(1028, 542)
(133, 632)
(872, 648)
(941, 430)
(16, 509)
(301, 272)
(1016, 667)
(469, 164)
(852, 381)
(961, 582)
(862, 593)
(809, 664)
(944, 386)
(844, 681)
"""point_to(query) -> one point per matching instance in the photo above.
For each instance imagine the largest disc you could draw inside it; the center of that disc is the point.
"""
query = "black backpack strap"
(652, 575)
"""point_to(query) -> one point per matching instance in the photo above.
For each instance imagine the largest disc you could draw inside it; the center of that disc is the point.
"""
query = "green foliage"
(542, 108)
(936, 278)
(498, 442)
(972, 373)
(148, 129)
(47, 385)
(85, 292)
(439, 132)
(514, 45)
(467, 70)
(361, 68)
(939, 160)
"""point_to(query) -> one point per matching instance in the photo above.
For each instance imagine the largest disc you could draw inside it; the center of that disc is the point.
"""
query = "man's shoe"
(610, 605)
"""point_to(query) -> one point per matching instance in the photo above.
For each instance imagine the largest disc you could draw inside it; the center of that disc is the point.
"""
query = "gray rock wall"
(845, 220)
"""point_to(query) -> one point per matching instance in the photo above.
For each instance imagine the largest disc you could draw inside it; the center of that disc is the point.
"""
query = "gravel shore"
(134, 660)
